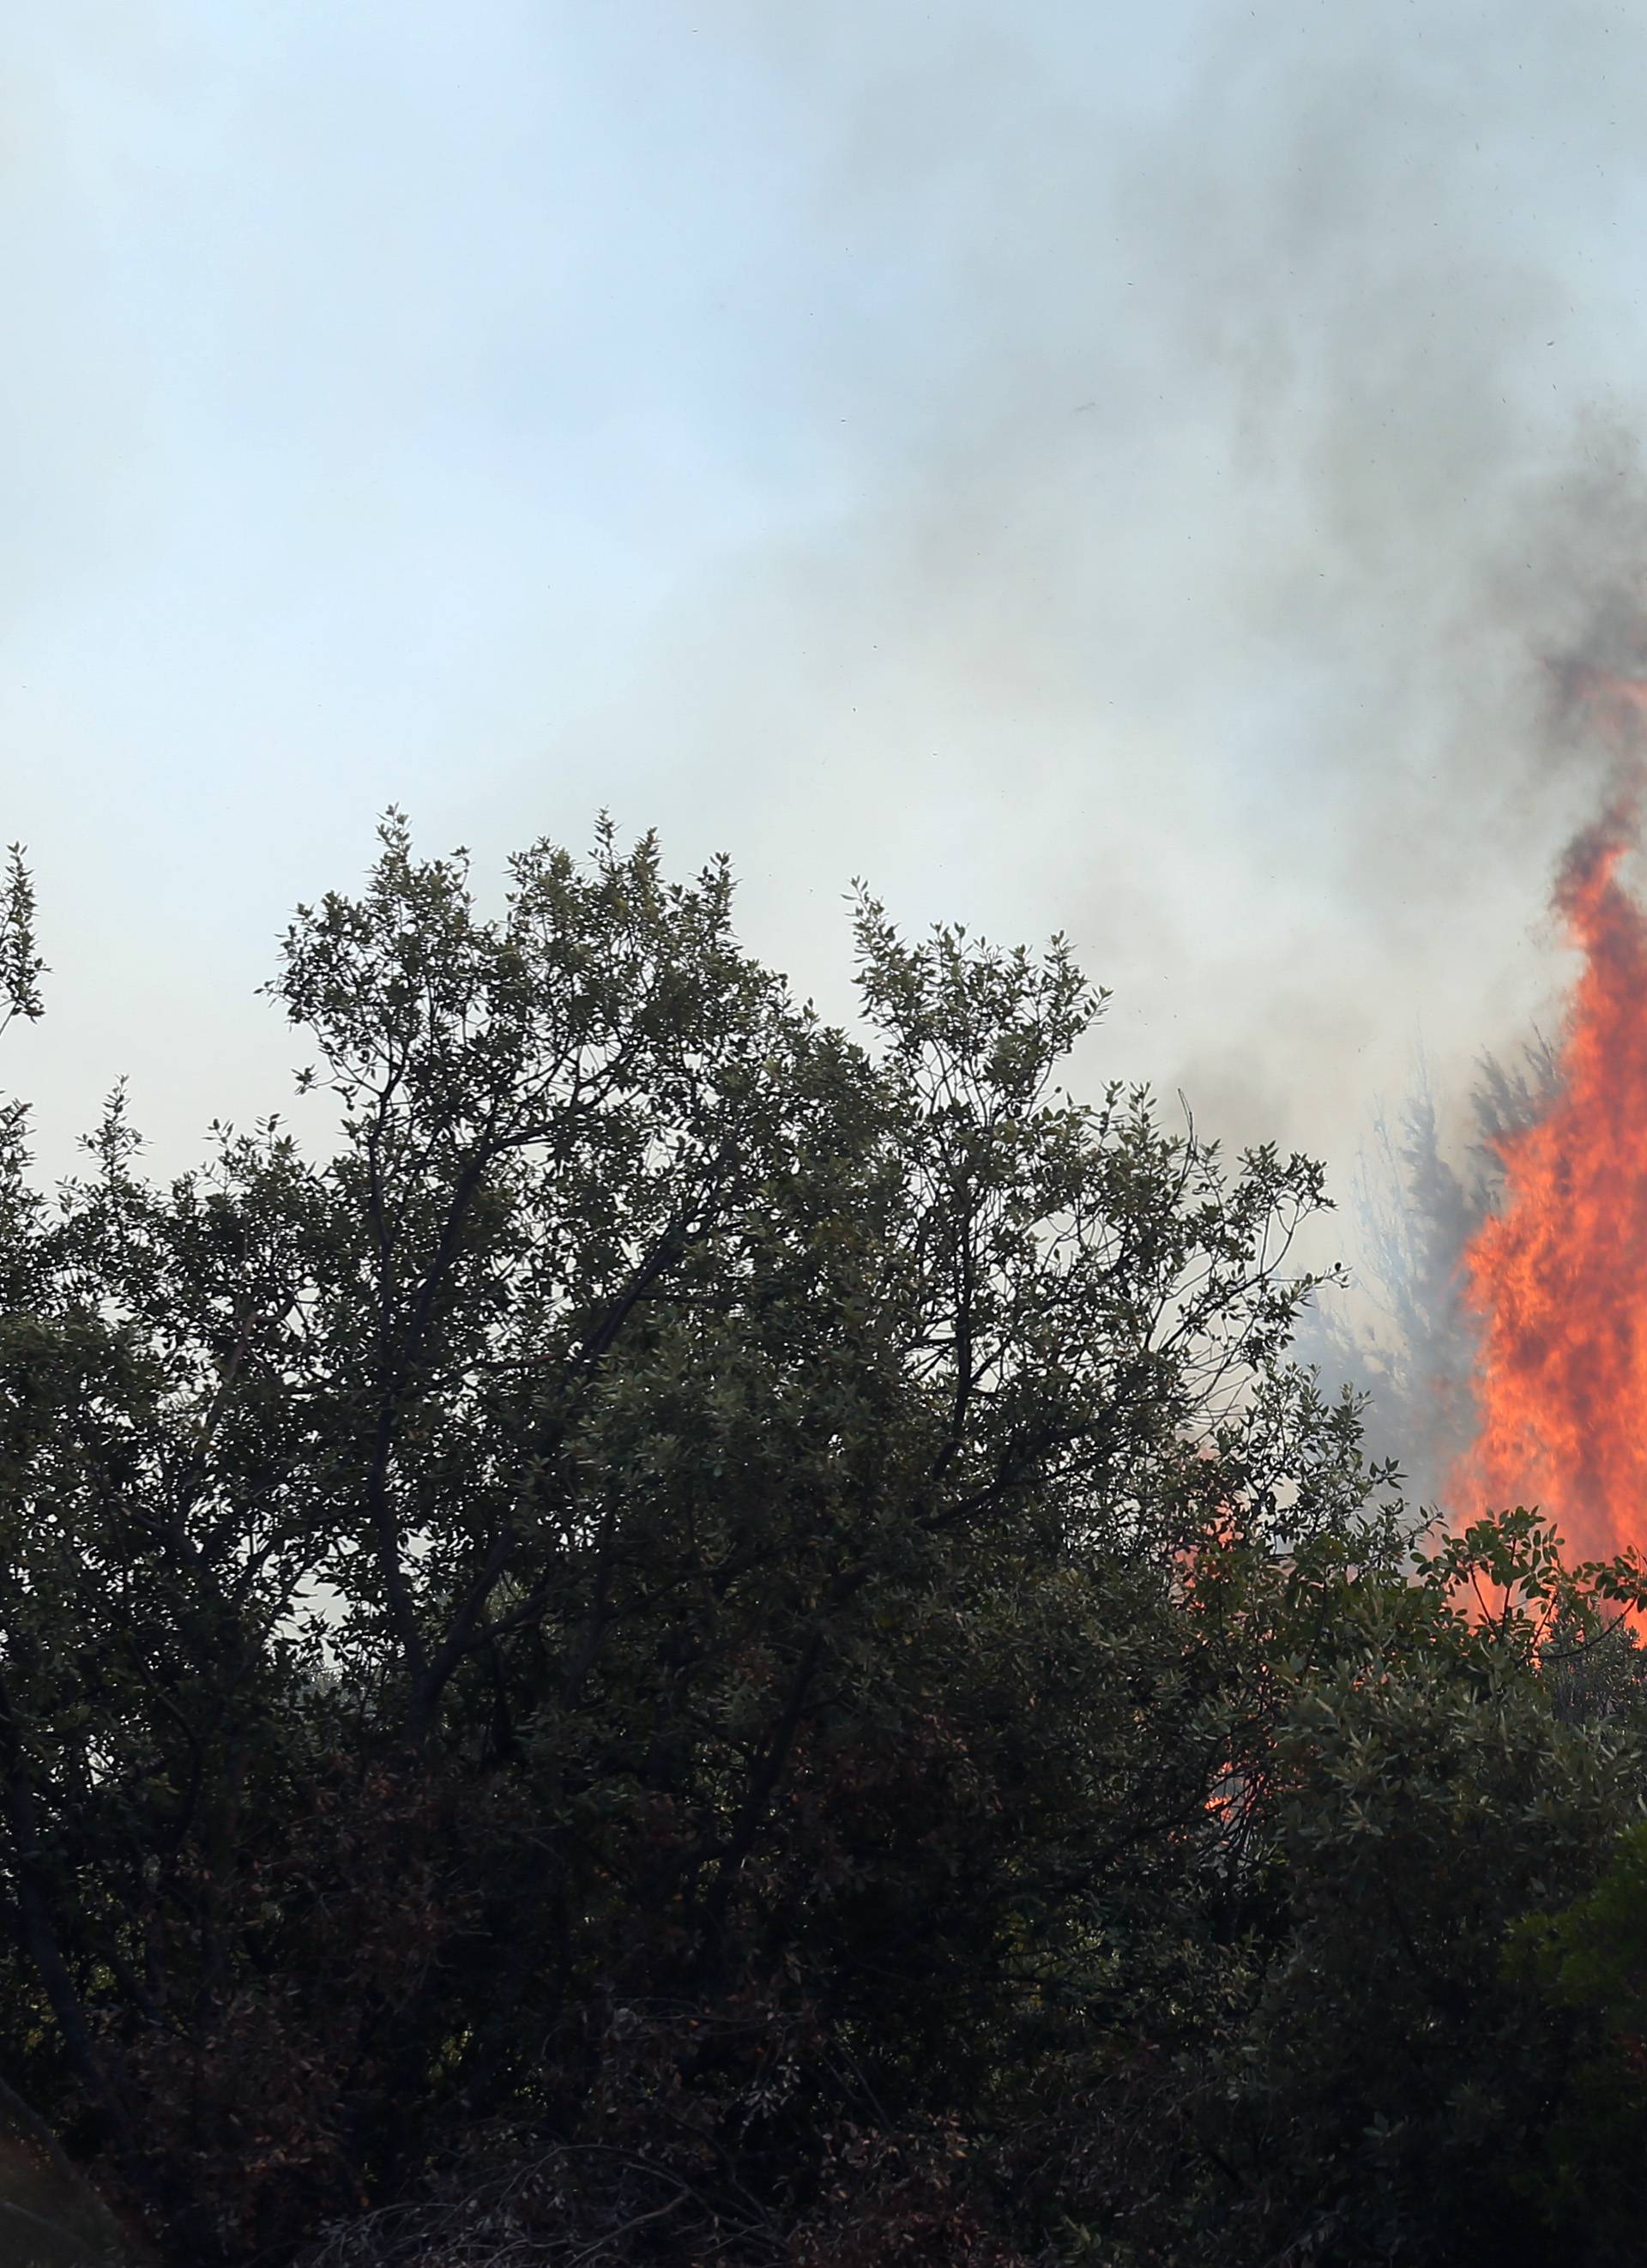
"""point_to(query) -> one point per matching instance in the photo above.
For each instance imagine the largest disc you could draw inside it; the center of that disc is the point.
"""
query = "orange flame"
(1557, 1280)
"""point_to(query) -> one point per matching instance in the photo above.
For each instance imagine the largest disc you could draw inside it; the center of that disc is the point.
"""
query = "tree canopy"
(680, 1635)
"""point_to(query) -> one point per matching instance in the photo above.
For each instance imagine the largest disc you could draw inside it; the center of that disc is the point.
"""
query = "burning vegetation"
(1553, 1278)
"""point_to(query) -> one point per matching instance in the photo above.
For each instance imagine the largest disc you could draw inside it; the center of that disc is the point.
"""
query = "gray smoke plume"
(1214, 449)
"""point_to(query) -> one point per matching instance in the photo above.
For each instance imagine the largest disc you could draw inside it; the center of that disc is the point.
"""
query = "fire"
(1556, 1279)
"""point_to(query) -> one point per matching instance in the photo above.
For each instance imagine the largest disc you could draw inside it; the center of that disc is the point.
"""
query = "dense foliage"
(715, 1642)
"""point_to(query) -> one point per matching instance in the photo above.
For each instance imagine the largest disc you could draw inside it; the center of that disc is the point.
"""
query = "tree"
(1588, 1966)
(1425, 1785)
(707, 1638)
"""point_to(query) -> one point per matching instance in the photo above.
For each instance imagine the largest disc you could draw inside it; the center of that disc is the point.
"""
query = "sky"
(1086, 466)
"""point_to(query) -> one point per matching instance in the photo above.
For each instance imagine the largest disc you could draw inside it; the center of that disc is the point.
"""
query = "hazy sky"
(1090, 466)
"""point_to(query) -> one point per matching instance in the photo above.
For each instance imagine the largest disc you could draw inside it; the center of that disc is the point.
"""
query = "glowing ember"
(1557, 1280)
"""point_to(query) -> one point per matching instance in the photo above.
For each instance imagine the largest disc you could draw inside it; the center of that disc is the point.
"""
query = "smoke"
(1122, 471)
(1403, 1337)
(1213, 447)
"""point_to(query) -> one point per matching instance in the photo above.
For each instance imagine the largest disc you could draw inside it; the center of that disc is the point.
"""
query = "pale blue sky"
(1089, 465)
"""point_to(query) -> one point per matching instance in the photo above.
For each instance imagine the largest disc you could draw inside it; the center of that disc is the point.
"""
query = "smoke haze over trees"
(1398, 1329)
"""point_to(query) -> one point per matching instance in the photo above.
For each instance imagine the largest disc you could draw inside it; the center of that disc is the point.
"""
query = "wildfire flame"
(1556, 1279)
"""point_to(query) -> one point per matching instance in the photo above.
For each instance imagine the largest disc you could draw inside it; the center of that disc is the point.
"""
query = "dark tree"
(706, 1639)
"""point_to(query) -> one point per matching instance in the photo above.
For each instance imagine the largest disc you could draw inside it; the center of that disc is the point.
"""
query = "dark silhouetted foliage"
(689, 1639)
